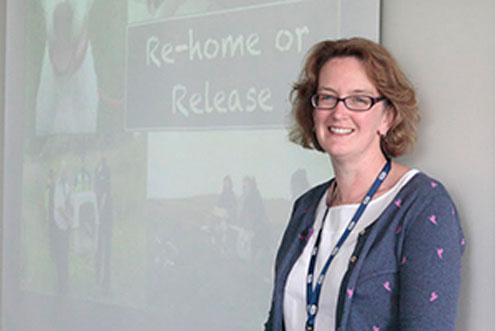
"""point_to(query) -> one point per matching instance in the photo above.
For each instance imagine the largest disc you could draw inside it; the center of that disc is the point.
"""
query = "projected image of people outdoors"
(78, 158)
(157, 173)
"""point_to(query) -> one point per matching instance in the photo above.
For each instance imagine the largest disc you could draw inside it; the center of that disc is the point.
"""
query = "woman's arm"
(430, 268)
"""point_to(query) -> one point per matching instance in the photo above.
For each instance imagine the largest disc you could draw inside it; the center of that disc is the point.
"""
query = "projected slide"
(157, 176)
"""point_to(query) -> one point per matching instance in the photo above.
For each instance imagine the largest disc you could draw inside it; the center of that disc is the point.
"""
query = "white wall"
(447, 49)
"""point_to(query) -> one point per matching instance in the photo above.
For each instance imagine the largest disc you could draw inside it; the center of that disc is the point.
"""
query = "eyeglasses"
(352, 102)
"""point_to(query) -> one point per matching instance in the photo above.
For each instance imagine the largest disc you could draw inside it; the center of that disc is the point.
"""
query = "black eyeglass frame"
(373, 101)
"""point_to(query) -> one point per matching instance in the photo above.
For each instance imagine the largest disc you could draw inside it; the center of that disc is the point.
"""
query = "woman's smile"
(340, 131)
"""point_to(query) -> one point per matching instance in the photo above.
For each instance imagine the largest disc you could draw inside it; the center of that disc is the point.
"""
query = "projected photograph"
(67, 94)
(157, 175)
(83, 236)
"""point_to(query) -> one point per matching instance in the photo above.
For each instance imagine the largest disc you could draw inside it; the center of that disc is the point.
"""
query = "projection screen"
(148, 175)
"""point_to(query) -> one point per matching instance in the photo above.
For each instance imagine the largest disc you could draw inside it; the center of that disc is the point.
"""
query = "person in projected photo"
(225, 213)
(67, 96)
(253, 216)
(377, 247)
(85, 204)
(60, 211)
(103, 192)
(227, 201)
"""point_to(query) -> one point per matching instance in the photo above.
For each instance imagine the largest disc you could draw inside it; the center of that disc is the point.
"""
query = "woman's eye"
(359, 100)
(327, 97)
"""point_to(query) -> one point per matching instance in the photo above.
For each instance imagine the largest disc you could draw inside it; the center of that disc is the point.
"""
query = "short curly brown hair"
(383, 71)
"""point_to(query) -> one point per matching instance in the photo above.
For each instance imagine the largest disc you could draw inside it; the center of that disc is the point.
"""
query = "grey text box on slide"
(230, 69)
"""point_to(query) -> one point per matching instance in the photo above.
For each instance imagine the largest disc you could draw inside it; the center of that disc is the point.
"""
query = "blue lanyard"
(313, 295)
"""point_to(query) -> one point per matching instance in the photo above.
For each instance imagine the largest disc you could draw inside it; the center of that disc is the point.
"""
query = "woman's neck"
(353, 179)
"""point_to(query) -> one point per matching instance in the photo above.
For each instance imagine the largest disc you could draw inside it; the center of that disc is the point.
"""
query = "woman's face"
(342, 133)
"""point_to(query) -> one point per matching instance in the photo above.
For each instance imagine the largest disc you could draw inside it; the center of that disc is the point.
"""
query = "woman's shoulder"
(423, 185)
(427, 212)
(424, 196)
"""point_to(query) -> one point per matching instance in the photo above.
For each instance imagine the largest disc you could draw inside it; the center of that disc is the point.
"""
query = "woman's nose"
(340, 109)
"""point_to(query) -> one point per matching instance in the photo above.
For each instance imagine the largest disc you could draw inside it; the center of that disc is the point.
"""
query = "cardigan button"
(362, 232)
(353, 259)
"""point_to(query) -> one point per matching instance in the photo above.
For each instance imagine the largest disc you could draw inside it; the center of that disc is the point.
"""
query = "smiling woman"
(389, 80)
(353, 240)
(349, 129)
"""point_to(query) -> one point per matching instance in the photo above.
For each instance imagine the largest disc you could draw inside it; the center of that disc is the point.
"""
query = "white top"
(337, 219)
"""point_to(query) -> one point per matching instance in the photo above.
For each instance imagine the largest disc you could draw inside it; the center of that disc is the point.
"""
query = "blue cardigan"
(406, 270)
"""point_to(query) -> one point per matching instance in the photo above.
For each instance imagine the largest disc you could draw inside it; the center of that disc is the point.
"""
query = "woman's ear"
(388, 118)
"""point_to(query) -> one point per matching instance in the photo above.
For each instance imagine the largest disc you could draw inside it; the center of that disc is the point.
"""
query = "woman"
(378, 247)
